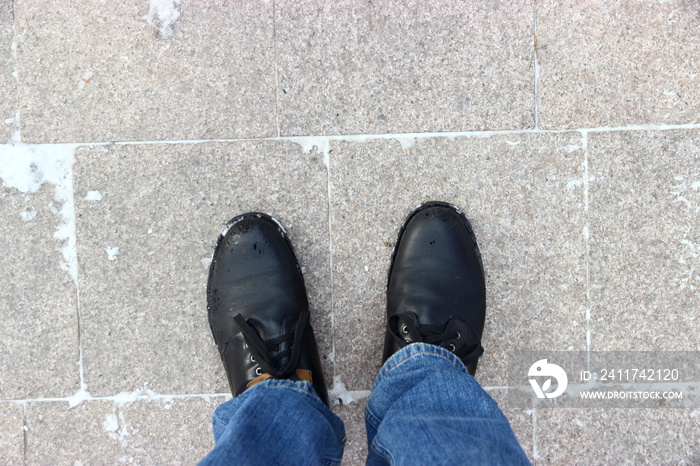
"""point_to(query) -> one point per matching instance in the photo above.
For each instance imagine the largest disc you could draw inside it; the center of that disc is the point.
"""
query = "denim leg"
(276, 422)
(425, 408)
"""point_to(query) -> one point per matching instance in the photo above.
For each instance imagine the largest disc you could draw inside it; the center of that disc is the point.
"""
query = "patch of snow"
(26, 167)
(162, 14)
(79, 396)
(28, 215)
(206, 261)
(111, 423)
(93, 196)
(572, 148)
(112, 253)
(144, 393)
(123, 433)
(406, 141)
(321, 144)
(573, 184)
(340, 394)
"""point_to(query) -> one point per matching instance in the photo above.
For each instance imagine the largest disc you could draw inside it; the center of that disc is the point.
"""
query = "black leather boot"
(258, 308)
(436, 290)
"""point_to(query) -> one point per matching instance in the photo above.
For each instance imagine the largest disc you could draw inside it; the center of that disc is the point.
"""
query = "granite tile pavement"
(131, 132)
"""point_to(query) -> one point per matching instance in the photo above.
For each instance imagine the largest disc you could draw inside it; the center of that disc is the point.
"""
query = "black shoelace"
(262, 349)
(435, 335)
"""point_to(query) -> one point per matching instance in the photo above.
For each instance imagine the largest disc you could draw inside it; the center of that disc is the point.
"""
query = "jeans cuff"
(301, 385)
(420, 350)
(223, 412)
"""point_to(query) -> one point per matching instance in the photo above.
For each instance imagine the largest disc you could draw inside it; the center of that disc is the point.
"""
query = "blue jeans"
(425, 408)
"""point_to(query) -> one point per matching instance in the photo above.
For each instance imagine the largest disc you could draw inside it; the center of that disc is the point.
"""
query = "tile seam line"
(277, 79)
(15, 73)
(117, 399)
(535, 450)
(164, 397)
(327, 162)
(536, 71)
(161, 397)
(79, 317)
(25, 430)
(368, 137)
(584, 143)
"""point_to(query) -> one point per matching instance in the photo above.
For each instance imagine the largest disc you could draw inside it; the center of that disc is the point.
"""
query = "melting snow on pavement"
(27, 167)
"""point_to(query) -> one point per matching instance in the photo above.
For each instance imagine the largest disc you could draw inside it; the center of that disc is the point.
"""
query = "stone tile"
(356, 67)
(59, 435)
(173, 432)
(644, 212)
(618, 436)
(11, 434)
(8, 83)
(163, 206)
(353, 415)
(101, 432)
(618, 63)
(38, 314)
(523, 195)
(208, 75)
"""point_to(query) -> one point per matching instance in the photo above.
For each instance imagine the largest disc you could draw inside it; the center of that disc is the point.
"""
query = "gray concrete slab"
(38, 312)
(644, 212)
(617, 64)
(356, 67)
(11, 434)
(145, 248)
(618, 436)
(109, 75)
(530, 230)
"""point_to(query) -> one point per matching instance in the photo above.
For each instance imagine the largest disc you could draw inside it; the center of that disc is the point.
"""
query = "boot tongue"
(410, 330)
(268, 331)
(265, 342)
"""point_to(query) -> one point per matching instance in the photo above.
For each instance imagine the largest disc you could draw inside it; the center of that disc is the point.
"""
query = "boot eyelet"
(459, 335)
(258, 371)
(252, 358)
(245, 345)
(404, 329)
(452, 347)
